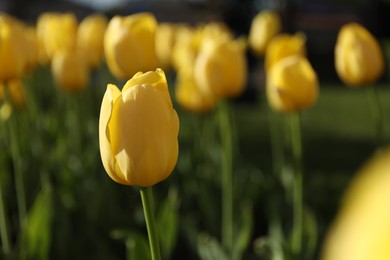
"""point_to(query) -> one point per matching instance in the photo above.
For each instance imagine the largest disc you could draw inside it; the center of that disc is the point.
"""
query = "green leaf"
(36, 236)
(137, 246)
(210, 249)
(244, 232)
(167, 223)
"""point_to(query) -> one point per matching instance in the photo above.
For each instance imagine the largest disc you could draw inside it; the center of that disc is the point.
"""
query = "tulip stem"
(3, 225)
(296, 142)
(147, 202)
(226, 175)
(376, 112)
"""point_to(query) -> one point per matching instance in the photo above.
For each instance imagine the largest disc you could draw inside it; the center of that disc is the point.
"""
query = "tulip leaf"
(36, 236)
(167, 224)
(210, 249)
(137, 244)
(244, 232)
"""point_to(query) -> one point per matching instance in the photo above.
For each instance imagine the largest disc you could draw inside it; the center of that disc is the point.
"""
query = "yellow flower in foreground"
(265, 25)
(138, 130)
(129, 44)
(362, 228)
(358, 56)
(90, 38)
(70, 71)
(292, 84)
(190, 96)
(282, 46)
(220, 67)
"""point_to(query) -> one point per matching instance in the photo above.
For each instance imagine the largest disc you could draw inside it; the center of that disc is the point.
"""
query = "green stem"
(226, 175)
(277, 149)
(3, 225)
(376, 112)
(298, 182)
(147, 202)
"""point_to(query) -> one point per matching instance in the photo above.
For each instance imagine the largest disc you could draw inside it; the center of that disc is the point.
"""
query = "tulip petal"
(111, 95)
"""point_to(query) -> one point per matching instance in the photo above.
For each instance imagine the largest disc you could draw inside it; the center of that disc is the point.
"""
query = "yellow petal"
(111, 95)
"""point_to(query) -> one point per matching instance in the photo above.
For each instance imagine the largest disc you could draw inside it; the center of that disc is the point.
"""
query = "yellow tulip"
(190, 96)
(220, 67)
(361, 230)
(292, 84)
(15, 91)
(90, 38)
(31, 47)
(185, 48)
(129, 44)
(138, 130)
(165, 40)
(12, 58)
(358, 56)
(58, 32)
(265, 25)
(70, 70)
(282, 46)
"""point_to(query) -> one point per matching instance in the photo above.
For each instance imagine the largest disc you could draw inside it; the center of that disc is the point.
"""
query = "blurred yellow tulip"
(57, 32)
(282, 46)
(185, 48)
(358, 56)
(220, 67)
(190, 96)
(138, 130)
(292, 84)
(90, 38)
(361, 230)
(70, 70)
(165, 40)
(15, 91)
(31, 47)
(265, 25)
(129, 44)
(12, 52)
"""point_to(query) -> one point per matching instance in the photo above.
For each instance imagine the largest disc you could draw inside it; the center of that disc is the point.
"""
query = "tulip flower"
(292, 84)
(358, 56)
(265, 25)
(90, 38)
(220, 67)
(59, 33)
(282, 46)
(361, 229)
(185, 49)
(165, 40)
(190, 96)
(70, 70)
(12, 58)
(129, 44)
(138, 130)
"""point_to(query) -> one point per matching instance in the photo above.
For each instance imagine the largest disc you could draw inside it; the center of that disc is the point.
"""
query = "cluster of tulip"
(138, 125)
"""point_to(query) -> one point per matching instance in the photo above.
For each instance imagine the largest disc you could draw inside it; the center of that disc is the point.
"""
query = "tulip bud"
(358, 56)
(138, 130)
(12, 58)
(185, 49)
(129, 44)
(221, 68)
(282, 46)
(265, 25)
(165, 40)
(190, 96)
(70, 71)
(90, 38)
(292, 84)
(58, 32)
(362, 229)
